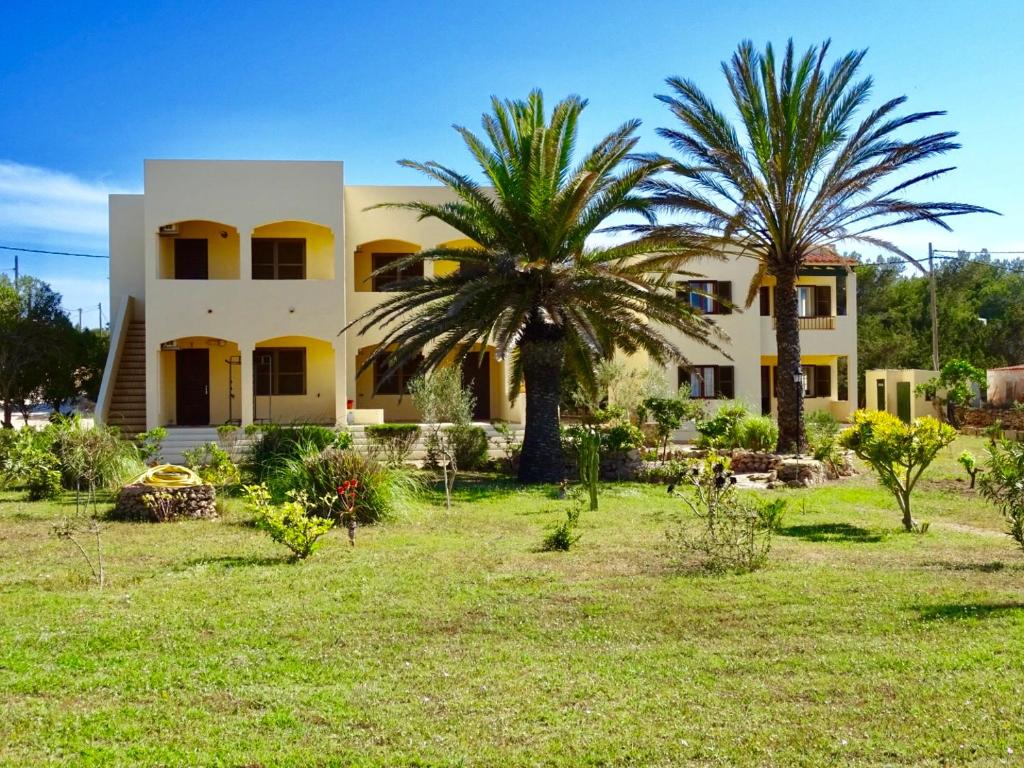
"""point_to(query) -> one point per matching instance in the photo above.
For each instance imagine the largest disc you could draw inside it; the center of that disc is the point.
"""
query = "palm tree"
(532, 286)
(795, 175)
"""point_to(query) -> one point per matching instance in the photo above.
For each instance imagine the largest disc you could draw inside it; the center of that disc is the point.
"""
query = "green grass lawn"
(446, 638)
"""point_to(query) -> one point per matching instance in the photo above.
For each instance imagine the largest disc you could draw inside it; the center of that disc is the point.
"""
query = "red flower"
(355, 483)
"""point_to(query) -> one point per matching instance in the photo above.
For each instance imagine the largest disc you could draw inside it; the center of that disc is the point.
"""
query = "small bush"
(288, 523)
(149, 443)
(722, 429)
(275, 445)
(621, 437)
(383, 490)
(563, 535)
(970, 465)
(730, 534)
(214, 465)
(393, 441)
(26, 461)
(770, 514)
(757, 433)
(1003, 485)
(469, 445)
(509, 445)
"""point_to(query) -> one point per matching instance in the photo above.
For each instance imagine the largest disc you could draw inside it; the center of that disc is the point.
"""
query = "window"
(278, 258)
(817, 380)
(280, 370)
(814, 300)
(398, 381)
(710, 297)
(708, 382)
(191, 259)
(765, 295)
(389, 277)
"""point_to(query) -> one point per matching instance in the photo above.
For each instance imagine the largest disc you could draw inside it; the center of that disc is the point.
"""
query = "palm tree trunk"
(541, 459)
(788, 380)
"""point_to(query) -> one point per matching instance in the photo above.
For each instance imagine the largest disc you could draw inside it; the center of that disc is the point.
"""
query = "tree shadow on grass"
(832, 532)
(959, 611)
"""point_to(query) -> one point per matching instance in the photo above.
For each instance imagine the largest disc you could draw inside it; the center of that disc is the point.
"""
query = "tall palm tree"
(797, 174)
(533, 287)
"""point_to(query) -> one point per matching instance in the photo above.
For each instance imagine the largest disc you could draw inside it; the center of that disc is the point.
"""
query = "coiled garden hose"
(168, 476)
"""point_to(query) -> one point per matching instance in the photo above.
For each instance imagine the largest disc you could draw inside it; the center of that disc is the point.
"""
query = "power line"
(55, 253)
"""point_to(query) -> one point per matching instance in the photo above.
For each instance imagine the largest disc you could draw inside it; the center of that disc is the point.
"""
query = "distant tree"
(953, 387)
(37, 340)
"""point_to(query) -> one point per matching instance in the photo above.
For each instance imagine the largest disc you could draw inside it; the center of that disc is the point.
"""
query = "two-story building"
(747, 368)
(231, 282)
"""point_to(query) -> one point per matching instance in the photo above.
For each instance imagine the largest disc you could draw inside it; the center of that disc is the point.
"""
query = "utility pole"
(79, 318)
(935, 309)
(100, 308)
(15, 269)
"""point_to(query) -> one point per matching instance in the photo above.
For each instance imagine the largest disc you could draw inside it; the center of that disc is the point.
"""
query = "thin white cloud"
(40, 200)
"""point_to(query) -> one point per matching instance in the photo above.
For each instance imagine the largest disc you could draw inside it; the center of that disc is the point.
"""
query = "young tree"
(532, 285)
(898, 452)
(1003, 484)
(796, 176)
(953, 387)
(441, 399)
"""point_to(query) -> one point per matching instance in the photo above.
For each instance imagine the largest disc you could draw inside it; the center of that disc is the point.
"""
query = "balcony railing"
(823, 323)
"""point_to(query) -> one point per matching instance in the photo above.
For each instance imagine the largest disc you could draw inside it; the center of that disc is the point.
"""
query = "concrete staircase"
(361, 441)
(128, 403)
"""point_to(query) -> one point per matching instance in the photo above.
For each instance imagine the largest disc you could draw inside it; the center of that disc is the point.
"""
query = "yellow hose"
(168, 476)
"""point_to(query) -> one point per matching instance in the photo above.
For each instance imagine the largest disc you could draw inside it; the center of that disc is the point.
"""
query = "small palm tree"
(795, 176)
(533, 287)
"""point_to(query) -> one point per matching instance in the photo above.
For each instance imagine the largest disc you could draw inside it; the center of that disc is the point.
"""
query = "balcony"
(822, 323)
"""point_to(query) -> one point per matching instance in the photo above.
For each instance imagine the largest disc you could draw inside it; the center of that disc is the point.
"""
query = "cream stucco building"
(231, 281)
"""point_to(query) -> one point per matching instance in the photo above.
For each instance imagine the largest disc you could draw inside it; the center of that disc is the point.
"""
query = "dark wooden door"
(476, 377)
(191, 259)
(766, 390)
(192, 387)
(903, 401)
(880, 403)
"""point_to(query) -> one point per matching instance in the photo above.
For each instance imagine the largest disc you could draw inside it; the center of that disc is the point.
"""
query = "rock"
(187, 502)
(801, 473)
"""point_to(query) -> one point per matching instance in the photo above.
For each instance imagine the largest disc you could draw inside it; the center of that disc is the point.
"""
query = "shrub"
(94, 458)
(149, 443)
(898, 452)
(27, 461)
(722, 430)
(621, 437)
(770, 514)
(1003, 484)
(288, 523)
(730, 534)
(468, 444)
(383, 490)
(394, 441)
(275, 445)
(214, 465)
(757, 433)
(509, 445)
(563, 535)
(669, 413)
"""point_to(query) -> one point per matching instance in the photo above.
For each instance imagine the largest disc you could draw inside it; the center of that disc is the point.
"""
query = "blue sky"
(89, 90)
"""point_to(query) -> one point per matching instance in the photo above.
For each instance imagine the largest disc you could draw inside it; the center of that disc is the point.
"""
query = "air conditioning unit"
(168, 230)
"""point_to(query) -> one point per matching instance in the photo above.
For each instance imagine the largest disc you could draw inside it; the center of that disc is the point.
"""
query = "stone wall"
(187, 502)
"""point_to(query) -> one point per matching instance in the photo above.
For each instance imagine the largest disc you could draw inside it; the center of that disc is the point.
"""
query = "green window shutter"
(822, 381)
(822, 301)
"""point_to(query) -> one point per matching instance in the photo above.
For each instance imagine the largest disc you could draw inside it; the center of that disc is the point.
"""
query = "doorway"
(880, 394)
(903, 401)
(476, 377)
(191, 259)
(192, 387)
